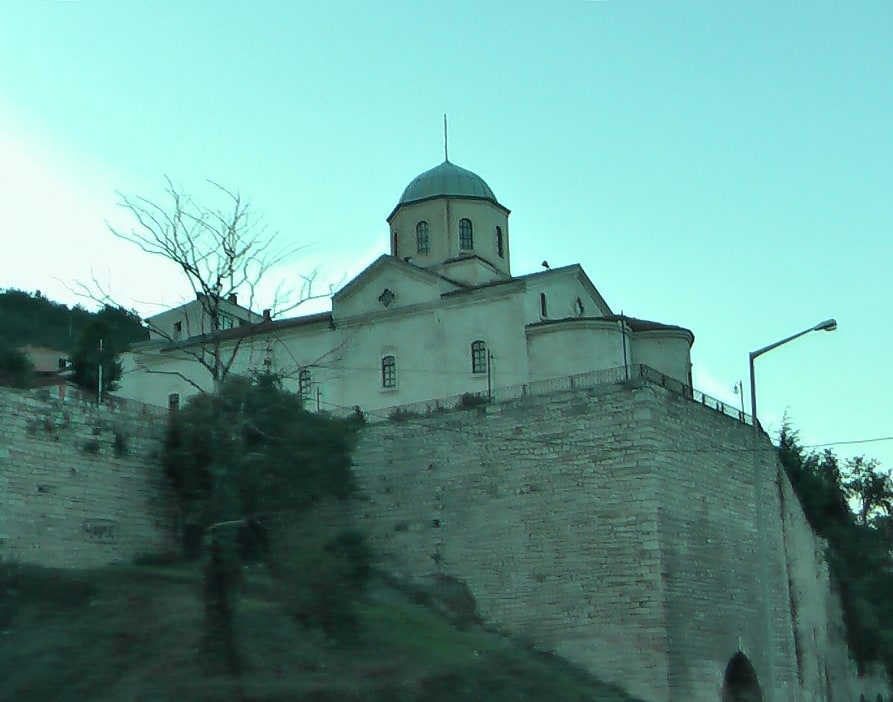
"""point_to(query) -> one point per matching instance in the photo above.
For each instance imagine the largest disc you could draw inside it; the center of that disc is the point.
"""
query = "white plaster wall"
(409, 290)
(667, 351)
(429, 333)
(431, 342)
(443, 217)
(485, 217)
(432, 347)
(573, 346)
(496, 319)
(166, 378)
(191, 317)
(194, 320)
(561, 288)
(470, 270)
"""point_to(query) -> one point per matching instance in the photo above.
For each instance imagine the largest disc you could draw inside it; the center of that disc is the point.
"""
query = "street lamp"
(827, 325)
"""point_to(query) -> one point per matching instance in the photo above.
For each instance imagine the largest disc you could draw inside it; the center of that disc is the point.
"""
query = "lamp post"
(827, 325)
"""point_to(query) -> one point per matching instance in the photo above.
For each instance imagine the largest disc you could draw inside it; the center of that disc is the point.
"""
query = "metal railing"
(635, 373)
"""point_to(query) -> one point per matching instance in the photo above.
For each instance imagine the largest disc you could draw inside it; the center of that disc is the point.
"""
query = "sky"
(723, 166)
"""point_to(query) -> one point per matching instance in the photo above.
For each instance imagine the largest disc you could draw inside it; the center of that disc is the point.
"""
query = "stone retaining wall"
(79, 485)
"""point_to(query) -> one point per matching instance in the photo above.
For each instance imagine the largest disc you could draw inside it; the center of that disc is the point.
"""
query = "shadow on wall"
(740, 682)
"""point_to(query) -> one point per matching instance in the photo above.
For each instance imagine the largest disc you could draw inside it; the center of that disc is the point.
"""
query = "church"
(440, 316)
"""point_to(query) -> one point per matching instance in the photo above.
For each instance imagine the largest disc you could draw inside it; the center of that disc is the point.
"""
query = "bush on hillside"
(860, 542)
(16, 370)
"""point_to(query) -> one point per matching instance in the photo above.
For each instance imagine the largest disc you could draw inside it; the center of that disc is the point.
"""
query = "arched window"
(544, 310)
(305, 382)
(421, 238)
(388, 372)
(173, 401)
(466, 235)
(478, 357)
(500, 246)
(578, 307)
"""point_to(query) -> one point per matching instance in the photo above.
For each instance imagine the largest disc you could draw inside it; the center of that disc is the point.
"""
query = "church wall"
(443, 230)
(345, 362)
(314, 347)
(484, 217)
(404, 223)
(416, 341)
(575, 346)
(166, 378)
(469, 270)
(499, 322)
(666, 351)
(561, 288)
(407, 290)
(194, 320)
(433, 352)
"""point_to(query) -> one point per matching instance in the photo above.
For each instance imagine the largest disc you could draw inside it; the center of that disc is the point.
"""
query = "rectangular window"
(178, 329)
(479, 357)
(422, 240)
(173, 402)
(466, 235)
(305, 384)
(388, 372)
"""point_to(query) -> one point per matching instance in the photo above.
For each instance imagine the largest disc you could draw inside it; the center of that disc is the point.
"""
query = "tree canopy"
(31, 318)
(252, 450)
(223, 250)
(851, 506)
(15, 367)
(248, 463)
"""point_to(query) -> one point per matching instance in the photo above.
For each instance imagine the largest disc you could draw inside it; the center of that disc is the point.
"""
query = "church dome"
(447, 180)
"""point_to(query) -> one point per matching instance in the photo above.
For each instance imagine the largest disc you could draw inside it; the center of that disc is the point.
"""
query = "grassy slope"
(132, 634)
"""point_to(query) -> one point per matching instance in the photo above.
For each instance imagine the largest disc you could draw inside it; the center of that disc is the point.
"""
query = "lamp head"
(827, 325)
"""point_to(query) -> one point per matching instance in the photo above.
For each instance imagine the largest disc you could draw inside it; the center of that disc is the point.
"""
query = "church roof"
(447, 180)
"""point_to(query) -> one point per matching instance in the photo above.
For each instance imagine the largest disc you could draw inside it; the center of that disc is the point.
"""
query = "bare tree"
(224, 254)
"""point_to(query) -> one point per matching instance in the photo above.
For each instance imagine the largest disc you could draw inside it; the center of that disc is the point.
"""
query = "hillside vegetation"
(33, 320)
(851, 506)
(131, 633)
(27, 318)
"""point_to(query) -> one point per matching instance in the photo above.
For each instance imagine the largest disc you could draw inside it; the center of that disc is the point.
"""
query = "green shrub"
(16, 370)
(469, 400)
(324, 570)
(402, 415)
(120, 445)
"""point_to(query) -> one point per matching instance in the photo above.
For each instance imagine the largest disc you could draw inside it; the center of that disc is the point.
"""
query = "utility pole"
(623, 344)
(489, 376)
(99, 384)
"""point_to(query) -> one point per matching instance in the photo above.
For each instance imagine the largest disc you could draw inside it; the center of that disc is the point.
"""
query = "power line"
(851, 442)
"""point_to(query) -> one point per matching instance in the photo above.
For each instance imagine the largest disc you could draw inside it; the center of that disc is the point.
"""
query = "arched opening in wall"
(740, 682)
